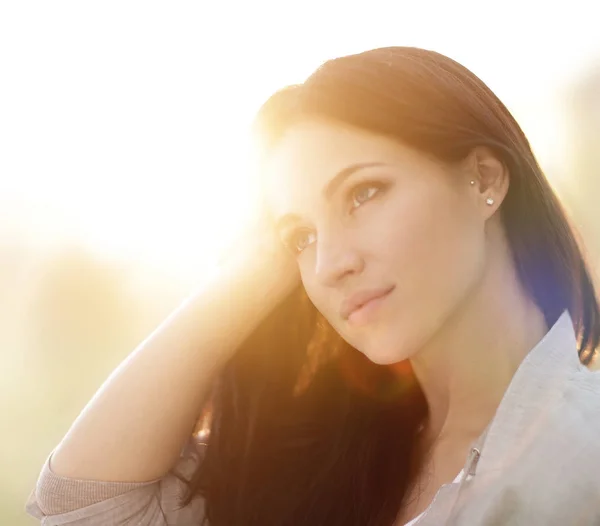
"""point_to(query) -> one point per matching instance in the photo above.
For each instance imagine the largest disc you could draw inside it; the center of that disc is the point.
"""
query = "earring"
(489, 201)
(472, 183)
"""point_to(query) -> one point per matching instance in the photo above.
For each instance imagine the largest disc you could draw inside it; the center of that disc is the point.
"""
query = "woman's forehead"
(313, 152)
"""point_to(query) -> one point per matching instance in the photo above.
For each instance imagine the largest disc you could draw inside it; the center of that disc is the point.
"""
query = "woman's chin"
(389, 350)
(380, 357)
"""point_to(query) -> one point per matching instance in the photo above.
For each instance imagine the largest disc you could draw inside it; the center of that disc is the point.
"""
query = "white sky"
(123, 124)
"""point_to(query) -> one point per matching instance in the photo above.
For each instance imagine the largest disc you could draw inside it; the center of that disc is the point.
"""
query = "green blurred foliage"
(582, 109)
(67, 320)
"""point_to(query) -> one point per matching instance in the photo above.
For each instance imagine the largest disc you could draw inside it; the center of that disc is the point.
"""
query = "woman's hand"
(258, 251)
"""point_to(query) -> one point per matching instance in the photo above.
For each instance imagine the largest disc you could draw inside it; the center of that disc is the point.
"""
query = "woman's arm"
(135, 426)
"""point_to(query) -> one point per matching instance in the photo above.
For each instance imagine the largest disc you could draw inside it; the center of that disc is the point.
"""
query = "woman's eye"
(361, 193)
(300, 240)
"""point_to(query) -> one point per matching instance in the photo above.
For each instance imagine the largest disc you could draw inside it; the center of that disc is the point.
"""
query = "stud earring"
(472, 183)
(489, 201)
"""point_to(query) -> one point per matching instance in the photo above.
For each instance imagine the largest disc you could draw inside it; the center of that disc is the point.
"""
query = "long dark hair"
(305, 430)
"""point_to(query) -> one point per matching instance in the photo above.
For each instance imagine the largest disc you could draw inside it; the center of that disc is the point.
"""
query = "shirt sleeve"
(58, 500)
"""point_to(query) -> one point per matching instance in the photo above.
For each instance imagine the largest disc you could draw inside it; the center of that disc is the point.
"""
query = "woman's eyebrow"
(337, 180)
(330, 189)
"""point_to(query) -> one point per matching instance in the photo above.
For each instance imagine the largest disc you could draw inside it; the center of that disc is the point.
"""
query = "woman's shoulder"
(582, 393)
(574, 419)
(539, 465)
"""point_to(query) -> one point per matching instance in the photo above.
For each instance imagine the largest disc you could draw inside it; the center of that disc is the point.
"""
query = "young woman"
(405, 337)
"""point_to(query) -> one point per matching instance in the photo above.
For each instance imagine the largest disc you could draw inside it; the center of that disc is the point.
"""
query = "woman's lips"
(361, 308)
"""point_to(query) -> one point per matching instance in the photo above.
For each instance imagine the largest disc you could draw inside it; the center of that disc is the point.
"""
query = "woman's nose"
(335, 261)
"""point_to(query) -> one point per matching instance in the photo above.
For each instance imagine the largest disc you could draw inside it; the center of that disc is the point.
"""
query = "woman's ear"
(490, 175)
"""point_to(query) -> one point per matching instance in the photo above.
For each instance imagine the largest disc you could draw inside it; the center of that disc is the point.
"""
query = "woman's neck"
(466, 368)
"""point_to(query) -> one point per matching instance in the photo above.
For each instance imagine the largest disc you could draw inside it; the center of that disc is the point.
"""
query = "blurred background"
(124, 161)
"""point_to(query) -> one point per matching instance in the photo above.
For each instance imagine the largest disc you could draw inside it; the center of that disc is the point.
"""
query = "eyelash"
(290, 240)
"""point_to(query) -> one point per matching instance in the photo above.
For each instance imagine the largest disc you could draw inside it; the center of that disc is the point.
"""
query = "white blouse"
(413, 521)
(537, 461)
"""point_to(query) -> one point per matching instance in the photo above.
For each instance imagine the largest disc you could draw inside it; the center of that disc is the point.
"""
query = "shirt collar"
(537, 386)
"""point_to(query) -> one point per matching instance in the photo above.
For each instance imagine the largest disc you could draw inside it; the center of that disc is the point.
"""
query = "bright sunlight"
(125, 160)
(128, 124)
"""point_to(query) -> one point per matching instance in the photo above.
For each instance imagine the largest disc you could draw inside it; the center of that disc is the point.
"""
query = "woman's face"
(367, 217)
